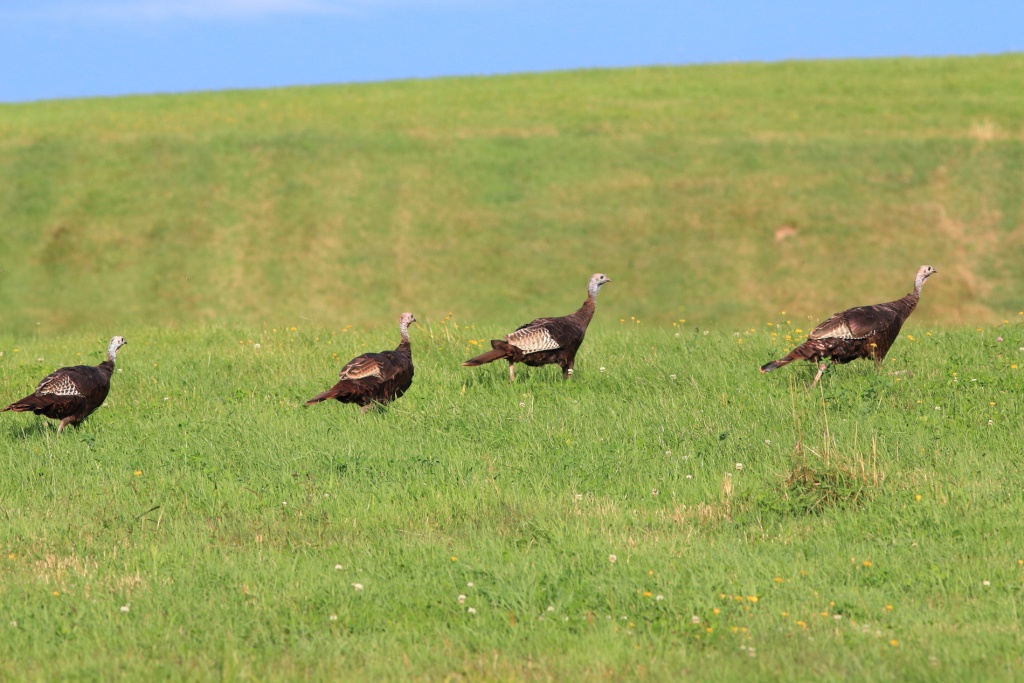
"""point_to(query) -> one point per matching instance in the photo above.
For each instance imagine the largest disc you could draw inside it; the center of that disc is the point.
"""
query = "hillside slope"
(720, 194)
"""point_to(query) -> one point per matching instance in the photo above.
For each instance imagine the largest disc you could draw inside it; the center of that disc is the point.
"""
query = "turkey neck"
(404, 345)
(586, 312)
(905, 306)
(107, 366)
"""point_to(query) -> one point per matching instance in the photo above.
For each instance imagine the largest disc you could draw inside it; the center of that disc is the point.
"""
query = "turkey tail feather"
(492, 355)
(768, 367)
(23, 406)
(811, 349)
(325, 396)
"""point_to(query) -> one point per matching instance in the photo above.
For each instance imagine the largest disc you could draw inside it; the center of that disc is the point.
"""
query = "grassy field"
(669, 513)
(720, 194)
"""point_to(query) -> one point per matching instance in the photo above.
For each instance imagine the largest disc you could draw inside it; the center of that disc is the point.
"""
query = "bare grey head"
(596, 281)
(115, 344)
(404, 321)
(923, 273)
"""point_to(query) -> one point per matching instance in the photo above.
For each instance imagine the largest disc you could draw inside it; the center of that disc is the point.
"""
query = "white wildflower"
(471, 610)
(612, 558)
(739, 466)
(125, 608)
(357, 586)
(462, 599)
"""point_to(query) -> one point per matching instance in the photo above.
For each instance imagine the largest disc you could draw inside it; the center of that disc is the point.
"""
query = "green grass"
(867, 529)
(876, 520)
(490, 197)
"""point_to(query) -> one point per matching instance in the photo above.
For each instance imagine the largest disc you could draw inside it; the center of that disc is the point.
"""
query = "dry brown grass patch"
(55, 569)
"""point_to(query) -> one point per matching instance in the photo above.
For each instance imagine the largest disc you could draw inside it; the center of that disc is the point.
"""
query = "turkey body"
(546, 341)
(860, 332)
(375, 378)
(71, 394)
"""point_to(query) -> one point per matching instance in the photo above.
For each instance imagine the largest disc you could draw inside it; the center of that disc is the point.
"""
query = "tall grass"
(670, 512)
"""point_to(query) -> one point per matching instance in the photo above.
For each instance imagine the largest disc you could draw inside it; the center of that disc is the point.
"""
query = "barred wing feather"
(58, 384)
(360, 368)
(533, 338)
(856, 323)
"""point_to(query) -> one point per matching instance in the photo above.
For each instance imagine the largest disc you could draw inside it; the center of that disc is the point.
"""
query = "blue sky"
(83, 48)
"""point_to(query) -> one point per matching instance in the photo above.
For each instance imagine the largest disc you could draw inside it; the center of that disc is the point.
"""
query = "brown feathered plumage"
(546, 341)
(375, 378)
(861, 332)
(71, 394)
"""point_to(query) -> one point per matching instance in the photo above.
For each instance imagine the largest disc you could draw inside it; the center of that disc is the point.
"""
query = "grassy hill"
(720, 194)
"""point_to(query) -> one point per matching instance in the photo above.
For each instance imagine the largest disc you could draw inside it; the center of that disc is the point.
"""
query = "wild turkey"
(375, 378)
(71, 394)
(546, 340)
(861, 332)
